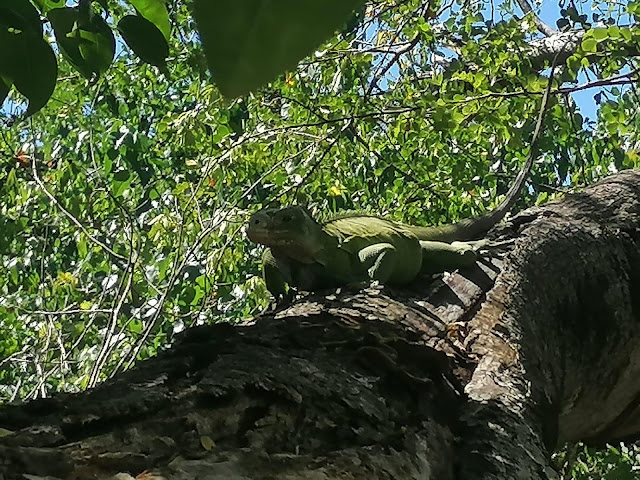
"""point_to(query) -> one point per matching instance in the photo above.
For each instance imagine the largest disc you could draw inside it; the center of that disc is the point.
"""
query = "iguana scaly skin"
(354, 248)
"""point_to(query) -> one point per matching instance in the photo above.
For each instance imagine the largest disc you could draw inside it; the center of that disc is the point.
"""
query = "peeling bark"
(477, 374)
(563, 44)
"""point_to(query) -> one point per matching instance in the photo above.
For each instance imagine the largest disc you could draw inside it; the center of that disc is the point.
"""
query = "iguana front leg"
(284, 275)
(277, 275)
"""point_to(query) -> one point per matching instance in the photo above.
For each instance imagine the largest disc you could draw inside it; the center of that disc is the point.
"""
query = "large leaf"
(156, 12)
(250, 42)
(46, 5)
(20, 15)
(86, 40)
(97, 43)
(28, 62)
(145, 39)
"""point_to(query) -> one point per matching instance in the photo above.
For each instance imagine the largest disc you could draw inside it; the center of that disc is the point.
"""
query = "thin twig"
(104, 352)
(396, 56)
(52, 370)
(622, 79)
(70, 216)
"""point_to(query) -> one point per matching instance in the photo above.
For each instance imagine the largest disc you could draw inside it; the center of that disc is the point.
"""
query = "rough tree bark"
(474, 375)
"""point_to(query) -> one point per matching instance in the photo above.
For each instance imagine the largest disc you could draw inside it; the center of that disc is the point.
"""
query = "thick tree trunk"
(475, 375)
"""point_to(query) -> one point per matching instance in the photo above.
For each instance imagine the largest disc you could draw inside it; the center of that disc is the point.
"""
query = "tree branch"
(540, 25)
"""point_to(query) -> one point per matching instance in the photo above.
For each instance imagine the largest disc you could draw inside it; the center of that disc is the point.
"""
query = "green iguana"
(354, 248)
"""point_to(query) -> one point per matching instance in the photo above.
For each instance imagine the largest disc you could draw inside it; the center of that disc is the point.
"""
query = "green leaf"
(542, 198)
(81, 246)
(86, 41)
(63, 21)
(600, 33)
(135, 326)
(46, 5)
(181, 188)
(589, 45)
(121, 181)
(20, 15)
(614, 31)
(96, 44)
(156, 12)
(28, 62)
(249, 42)
(573, 62)
(144, 38)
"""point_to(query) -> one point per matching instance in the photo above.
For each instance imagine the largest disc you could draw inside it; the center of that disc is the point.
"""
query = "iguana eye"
(256, 221)
(286, 218)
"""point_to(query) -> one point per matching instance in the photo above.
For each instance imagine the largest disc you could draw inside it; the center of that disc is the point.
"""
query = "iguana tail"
(472, 228)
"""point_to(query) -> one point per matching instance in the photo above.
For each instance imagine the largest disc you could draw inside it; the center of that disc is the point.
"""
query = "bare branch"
(396, 56)
(68, 311)
(540, 25)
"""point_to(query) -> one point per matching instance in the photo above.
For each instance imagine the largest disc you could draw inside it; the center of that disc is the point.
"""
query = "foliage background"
(123, 199)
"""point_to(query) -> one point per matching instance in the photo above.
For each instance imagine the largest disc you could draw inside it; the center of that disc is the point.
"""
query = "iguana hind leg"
(440, 256)
(379, 260)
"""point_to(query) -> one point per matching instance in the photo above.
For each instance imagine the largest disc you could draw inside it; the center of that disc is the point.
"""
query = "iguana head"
(286, 228)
